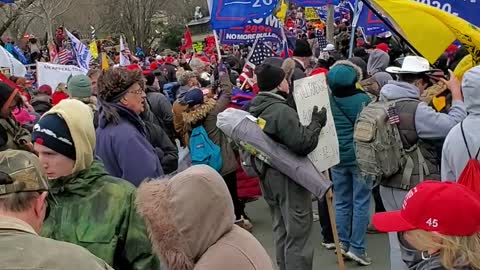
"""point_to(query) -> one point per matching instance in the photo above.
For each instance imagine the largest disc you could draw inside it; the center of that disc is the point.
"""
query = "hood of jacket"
(196, 113)
(186, 214)
(470, 88)
(378, 61)
(79, 119)
(264, 100)
(79, 183)
(396, 90)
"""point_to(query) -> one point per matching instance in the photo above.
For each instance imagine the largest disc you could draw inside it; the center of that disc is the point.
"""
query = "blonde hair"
(454, 250)
(61, 87)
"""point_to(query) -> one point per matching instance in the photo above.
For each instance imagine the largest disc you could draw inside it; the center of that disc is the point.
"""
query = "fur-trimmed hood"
(186, 215)
(357, 69)
(199, 112)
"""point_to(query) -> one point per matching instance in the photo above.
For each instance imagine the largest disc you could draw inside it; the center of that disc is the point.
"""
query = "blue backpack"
(203, 150)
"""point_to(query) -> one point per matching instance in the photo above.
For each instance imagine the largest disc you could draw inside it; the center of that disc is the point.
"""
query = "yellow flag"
(282, 13)
(94, 49)
(429, 29)
(105, 64)
(311, 14)
(465, 64)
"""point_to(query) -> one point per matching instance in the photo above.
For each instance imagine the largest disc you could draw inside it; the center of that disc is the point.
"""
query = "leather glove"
(319, 116)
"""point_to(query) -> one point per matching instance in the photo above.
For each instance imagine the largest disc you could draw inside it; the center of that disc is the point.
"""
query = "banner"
(467, 10)
(232, 13)
(311, 14)
(52, 75)
(310, 92)
(342, 11)
(265, 29)
(315, 3)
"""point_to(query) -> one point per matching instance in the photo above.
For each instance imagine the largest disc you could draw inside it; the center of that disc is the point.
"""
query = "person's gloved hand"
(319, 116)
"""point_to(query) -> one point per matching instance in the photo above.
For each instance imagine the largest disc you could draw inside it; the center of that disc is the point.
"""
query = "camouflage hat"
(20, 171)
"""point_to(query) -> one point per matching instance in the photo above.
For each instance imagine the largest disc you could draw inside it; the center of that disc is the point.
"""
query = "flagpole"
(386, 22)
(357, 11)
(217, 44)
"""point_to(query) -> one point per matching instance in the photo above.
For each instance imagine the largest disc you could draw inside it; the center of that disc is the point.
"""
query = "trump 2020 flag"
(233, 13)
(316, 3)
(81, 52)
(124, 52)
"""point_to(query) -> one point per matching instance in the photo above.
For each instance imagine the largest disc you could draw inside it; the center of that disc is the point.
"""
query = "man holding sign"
(290, 204)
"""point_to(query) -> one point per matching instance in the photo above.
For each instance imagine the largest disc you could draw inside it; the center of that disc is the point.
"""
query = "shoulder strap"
(342, 111)
(465, 140)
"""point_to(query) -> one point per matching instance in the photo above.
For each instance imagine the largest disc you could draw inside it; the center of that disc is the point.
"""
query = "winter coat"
(41, 103)
(124, 147)
(91, 208)
(455, 155)
(161, 107)
(283, 124)
(190, 219)
(377, 62)
(166, 151)
(345, 111)
(55, 255)
(298, 73)
(13, 136)
(206, 115)
(97, 211)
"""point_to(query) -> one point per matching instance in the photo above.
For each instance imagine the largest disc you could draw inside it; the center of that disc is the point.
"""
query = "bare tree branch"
(21, 6)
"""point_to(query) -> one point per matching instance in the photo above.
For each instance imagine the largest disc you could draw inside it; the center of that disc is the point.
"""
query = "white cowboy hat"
(329, 47)
(412, 65)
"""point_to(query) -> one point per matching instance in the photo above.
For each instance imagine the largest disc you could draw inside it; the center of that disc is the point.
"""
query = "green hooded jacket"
(97, 211)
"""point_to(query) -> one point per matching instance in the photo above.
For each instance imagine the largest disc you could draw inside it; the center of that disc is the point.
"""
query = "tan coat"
(22, 249)
(191, 223)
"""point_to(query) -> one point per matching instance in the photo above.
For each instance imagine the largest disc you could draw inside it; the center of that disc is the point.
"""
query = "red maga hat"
(444, 207)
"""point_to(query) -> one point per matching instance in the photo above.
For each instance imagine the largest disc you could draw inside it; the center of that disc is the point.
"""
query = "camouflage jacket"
(96, 211)
(13, 136)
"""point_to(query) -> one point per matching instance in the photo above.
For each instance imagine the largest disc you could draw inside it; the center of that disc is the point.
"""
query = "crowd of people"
(126, 168)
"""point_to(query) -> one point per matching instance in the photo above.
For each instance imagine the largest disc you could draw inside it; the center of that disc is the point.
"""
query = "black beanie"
(52, 132)
(269, 77)
(302, 49)
(5, 92)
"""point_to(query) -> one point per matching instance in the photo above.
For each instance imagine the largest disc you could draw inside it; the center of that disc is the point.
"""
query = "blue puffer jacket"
(345, 111)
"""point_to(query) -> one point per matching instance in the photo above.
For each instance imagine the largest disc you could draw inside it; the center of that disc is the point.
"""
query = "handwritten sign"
(198, 46)
(311, 14)
(310, 92)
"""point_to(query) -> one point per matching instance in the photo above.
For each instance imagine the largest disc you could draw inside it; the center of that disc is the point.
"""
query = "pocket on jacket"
(95, 233)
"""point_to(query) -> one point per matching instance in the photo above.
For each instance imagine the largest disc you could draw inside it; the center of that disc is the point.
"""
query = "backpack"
(371, 87)
(203, 150)
(470, 176)
(378, 145)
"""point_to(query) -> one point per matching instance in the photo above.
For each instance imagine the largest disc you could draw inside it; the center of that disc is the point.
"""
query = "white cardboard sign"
(310, 92)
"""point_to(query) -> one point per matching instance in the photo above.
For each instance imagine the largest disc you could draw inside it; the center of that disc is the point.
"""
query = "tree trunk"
(15, 16)
(330, 24)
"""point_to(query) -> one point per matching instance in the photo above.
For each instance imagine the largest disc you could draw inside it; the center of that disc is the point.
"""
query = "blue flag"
(267, 29)
(234, 13)
(7, 1)
(315, 3)
(466, 9)
(20, 55)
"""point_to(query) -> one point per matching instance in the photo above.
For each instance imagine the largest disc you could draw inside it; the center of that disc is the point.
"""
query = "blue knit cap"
(52, 132)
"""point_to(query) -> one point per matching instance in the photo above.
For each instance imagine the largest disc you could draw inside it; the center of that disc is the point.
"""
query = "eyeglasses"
(137, 92)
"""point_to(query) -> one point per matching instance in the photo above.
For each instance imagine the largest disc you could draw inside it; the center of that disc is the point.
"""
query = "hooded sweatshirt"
(190, 219)
(429, 124)
(93, 209)
(455, 155)
(377, 62)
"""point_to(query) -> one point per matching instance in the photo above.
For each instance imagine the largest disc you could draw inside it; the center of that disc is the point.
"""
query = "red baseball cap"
(444, 207)
(384, 47)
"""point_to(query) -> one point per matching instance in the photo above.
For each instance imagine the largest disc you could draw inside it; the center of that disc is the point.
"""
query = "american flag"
(393, 116)
(257, 55)
(64, 56)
